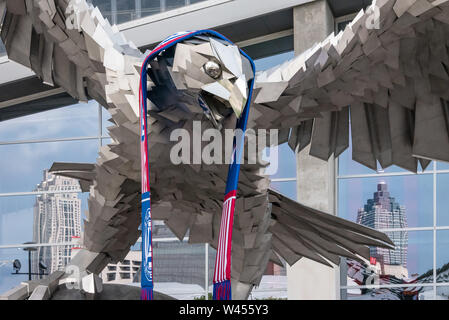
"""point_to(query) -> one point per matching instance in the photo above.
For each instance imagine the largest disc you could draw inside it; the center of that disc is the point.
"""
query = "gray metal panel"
(21, 88)
(35, 106)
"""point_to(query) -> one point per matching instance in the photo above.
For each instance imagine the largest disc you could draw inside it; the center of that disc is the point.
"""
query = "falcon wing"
(72, 46)
(299, 231)
(394, 80)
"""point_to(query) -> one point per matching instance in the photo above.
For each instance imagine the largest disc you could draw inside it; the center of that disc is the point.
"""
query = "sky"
(21, 169)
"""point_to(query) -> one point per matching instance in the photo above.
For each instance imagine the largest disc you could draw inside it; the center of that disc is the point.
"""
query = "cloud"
(71, 121)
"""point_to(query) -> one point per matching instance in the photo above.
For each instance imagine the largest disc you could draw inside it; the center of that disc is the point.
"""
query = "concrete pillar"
(309, 280)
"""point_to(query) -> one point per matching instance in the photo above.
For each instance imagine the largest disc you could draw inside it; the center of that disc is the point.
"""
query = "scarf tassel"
(222, 290)
(146, 294)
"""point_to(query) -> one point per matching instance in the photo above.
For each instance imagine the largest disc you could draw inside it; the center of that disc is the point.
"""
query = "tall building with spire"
(383, 212)
(57, 219)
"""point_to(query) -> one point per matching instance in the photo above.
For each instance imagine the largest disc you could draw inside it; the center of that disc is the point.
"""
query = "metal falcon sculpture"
(394, 79)
(236, 89)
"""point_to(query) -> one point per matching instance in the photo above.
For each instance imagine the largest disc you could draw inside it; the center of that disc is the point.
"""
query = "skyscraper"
(383, 212)
(57, 218)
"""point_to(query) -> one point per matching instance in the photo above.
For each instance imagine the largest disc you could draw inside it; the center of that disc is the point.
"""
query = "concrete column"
(308, 280)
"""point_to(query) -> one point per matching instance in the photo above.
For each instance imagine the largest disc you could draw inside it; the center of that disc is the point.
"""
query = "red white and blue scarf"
(222, 273)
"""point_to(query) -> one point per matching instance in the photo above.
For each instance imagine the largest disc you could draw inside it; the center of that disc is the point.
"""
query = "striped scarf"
(222, 273)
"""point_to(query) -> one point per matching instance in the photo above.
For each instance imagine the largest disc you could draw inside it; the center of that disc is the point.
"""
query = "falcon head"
(202, 74)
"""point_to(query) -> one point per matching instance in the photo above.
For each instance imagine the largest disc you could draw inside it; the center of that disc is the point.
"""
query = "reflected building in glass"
(383, 212)
(57, 219)
(174, 261)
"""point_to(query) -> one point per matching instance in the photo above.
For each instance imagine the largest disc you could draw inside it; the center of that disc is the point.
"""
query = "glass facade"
(412, 210)
(28, 146)
(120, 11)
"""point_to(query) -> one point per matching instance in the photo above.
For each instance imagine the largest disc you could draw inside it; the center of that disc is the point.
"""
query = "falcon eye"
(213, 69)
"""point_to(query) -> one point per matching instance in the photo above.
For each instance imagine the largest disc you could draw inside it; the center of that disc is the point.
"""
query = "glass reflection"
(21, 165)
(381, 270)
(120, 11)
(126, 11)
(173, 4)
(409, 196)
(442, 271)
(16, 219)
(286, 162)
(442, 199)
(105, 8)
(402, 293)
(286, 188)
(8, 280)
(269, 62)
(15, 266)
(79, 120)
(47, 218)
(150, 7)
(442, 166)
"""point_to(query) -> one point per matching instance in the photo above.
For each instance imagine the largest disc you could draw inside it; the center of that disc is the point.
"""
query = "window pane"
(84, 207)
(443, 293)
(106, 141)
(443, 199)
(52, 218)
(7, 279)
(403, 293)
(105, 7)
(173, 4)
(346, 166)
(150, 7)
(420, 255)
(287, 188)
(16, 219)
(269, 62)
(442, 165)
(384, 269)
(126, 11)
(22, 165)
(286, 163)
(408, 196)
(443, 256)
(79, 120)
(40, 266)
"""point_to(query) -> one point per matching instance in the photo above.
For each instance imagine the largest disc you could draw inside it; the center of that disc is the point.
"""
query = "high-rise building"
(383, 212)
(57, 219)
